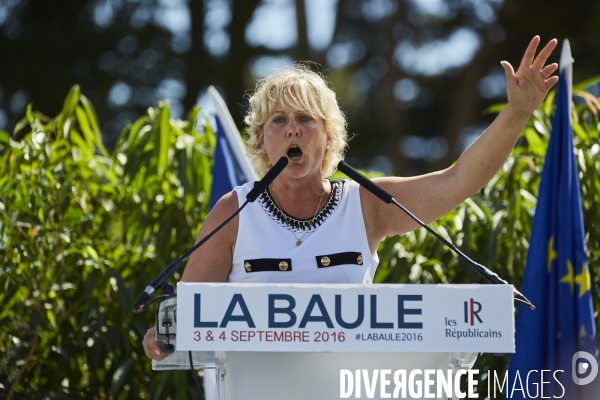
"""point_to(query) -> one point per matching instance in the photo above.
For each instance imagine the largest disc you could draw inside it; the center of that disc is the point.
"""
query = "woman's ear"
(261, 138)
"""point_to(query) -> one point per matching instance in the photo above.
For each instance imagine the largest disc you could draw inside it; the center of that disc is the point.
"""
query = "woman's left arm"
(433, 195)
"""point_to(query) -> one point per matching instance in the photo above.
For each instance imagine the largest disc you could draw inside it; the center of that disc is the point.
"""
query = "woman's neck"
(299, 199)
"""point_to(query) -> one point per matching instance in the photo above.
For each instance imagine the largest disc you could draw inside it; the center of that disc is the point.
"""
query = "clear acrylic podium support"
(301, 376)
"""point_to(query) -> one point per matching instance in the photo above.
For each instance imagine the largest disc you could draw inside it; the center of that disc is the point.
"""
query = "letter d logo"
(581, 367)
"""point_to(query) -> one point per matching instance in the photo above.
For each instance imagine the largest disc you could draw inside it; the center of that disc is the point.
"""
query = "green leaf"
(120, 376)
(548, 103)
(73, 215)
(89, 251)
(586, 83)
(134, 132)
(528, 196)
(478, 206)
(192, 118)
(535, 142)
(22, 123)
(541, 127)
(91, 117)
(494, 109)
(28, 114)
(580, 132)
(71, 101)
(84, 124)
(4, 137)
(164, 131)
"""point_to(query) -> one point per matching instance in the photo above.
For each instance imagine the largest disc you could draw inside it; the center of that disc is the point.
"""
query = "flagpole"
(566, 63)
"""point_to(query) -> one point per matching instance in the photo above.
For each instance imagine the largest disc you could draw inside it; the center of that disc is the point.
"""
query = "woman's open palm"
(527, 88)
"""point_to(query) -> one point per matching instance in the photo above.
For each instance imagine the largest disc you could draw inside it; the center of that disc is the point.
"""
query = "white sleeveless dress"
(334, 250)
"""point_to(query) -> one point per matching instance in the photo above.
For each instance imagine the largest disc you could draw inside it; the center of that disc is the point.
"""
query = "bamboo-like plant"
(81, 234)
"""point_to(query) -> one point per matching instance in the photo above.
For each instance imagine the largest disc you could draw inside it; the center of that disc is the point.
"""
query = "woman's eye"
(305, 118)
(278, 119)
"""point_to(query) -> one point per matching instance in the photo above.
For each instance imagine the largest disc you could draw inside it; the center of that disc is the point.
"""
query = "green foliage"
(493, 228)
(82, 232)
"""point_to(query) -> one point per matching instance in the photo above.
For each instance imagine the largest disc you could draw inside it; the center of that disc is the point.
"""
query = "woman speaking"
(306, 228)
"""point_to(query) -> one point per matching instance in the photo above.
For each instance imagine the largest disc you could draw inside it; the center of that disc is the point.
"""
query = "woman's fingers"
(542, 57)
(548, 70)
(509, 72)
(532, 64)
(551, 81)
(529, 58)
(529, 55)
(151, 348)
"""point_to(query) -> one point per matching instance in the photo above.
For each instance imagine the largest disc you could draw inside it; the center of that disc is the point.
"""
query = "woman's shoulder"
(227, 204)
(230, 201)
(344, 187)
(243, 190)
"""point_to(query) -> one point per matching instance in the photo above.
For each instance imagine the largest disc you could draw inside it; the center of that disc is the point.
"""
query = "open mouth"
(294, 153)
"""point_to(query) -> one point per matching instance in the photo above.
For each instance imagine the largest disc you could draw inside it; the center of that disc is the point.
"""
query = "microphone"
(388, 198)
(259, 187)
(365, 182)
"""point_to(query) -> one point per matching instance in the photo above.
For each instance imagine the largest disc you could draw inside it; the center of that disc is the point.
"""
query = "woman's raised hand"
(527, 88)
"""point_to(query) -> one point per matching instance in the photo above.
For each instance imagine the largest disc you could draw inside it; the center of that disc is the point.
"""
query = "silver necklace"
(310, 225)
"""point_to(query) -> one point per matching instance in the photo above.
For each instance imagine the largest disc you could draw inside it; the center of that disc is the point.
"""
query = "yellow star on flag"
(570, 276)
(584, 281)
(582, 332)
(552, 254)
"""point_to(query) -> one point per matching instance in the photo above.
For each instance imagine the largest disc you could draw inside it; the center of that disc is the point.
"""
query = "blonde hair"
(301, 89)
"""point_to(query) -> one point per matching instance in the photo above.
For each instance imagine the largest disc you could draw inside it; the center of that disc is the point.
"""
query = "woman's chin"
(299, 171)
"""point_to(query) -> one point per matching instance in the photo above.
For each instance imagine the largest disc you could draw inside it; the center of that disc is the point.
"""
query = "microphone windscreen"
(364, 182)
(273, 172)
(260, 186)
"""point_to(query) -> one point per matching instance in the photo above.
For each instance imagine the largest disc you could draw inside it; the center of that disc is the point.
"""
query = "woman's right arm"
(209, 263)
(212, 261)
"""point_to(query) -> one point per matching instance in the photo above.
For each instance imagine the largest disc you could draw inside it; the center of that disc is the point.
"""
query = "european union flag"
(557, 279)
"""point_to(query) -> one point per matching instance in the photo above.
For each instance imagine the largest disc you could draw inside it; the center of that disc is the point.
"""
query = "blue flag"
(226, 172)
(557, 281)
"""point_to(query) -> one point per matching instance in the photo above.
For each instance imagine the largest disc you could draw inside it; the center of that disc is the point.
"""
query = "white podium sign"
(345, 318)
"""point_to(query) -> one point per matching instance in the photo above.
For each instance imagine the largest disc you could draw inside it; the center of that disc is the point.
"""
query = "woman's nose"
(293, 129)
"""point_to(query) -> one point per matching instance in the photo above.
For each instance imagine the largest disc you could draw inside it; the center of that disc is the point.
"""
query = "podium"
(323, 341)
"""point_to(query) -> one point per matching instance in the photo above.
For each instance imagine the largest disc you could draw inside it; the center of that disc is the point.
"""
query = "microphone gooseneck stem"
(481, 269)
(259, 187)
(388, 198)
(138, 306)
